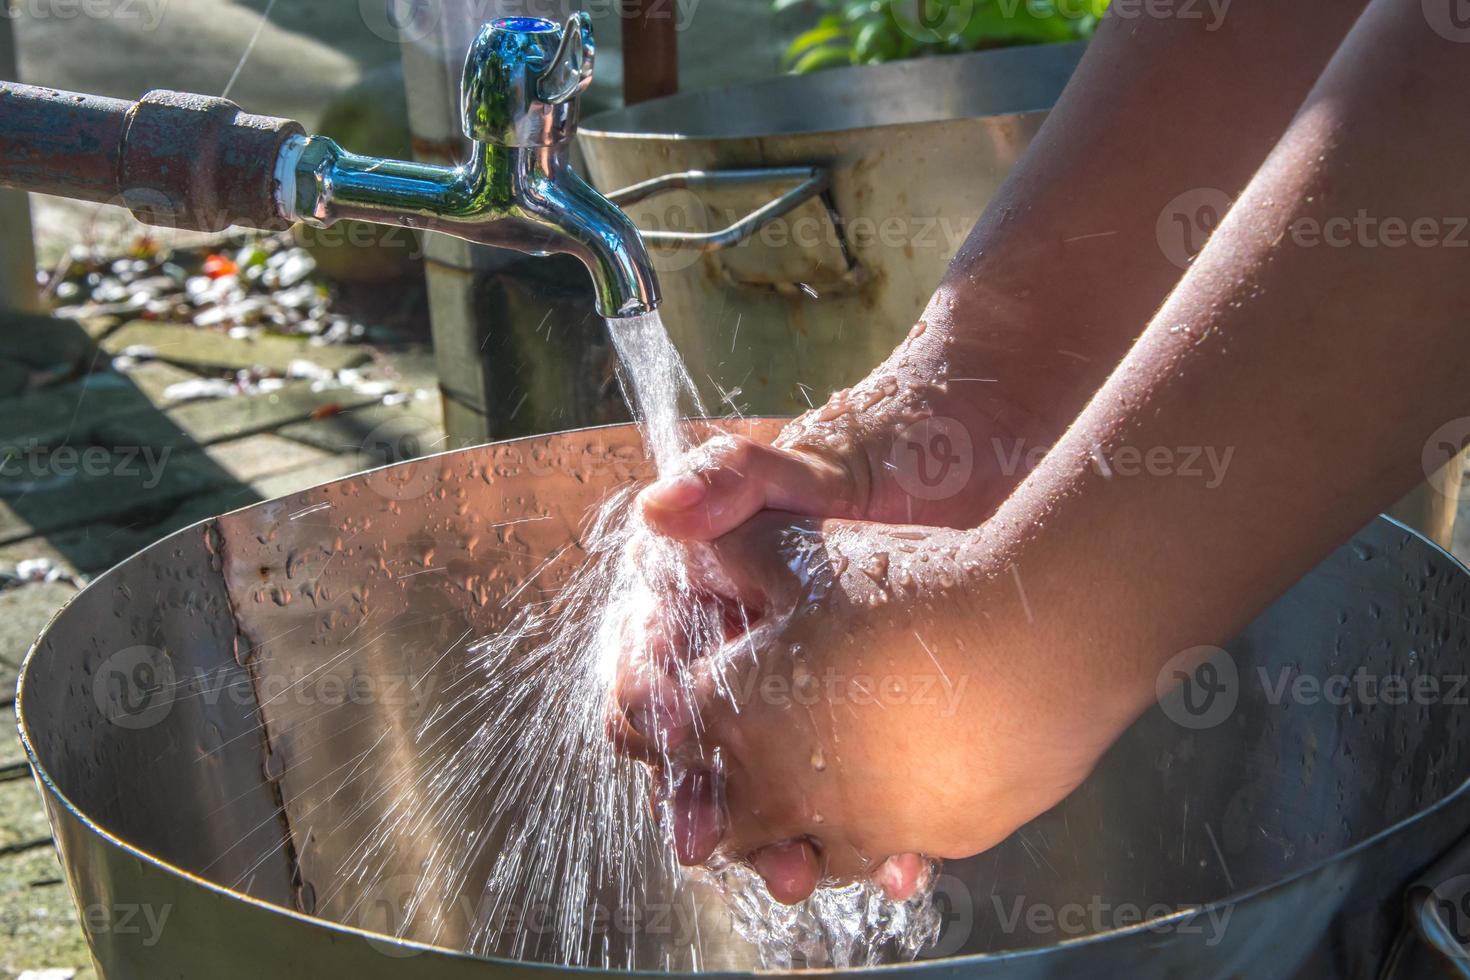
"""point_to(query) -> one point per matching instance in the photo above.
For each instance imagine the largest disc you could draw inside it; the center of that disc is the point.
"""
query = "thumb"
(734, 478)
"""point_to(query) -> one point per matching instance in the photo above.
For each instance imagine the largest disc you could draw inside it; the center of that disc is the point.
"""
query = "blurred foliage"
(866, 32)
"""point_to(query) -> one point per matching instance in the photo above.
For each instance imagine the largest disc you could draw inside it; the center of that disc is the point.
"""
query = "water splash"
(530, 787)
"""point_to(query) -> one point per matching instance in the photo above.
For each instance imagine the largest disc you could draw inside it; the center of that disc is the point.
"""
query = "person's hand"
(878, 697)
(921, 440)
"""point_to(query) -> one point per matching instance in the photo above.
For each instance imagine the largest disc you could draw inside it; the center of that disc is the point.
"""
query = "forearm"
(1301, 358)
(1066, 266)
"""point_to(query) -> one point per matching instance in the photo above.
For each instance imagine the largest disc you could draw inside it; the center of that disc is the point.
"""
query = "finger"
(901, 875)
(698, 821)
(651, 714)
(791, 869)
(737, 478)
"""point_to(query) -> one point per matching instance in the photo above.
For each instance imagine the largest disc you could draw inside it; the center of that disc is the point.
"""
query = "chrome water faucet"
(194, 161)
(522, 80)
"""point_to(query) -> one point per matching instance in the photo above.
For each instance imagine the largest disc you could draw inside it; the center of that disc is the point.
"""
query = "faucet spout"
(583, 223)
(523, 198)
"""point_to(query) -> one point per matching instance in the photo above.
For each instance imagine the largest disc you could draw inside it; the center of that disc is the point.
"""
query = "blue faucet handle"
(522, 77)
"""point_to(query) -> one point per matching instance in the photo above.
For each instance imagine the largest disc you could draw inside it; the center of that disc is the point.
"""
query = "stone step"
(202, 348)
(200, 423)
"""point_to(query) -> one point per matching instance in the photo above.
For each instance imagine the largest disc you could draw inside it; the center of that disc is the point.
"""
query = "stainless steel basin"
(1265, 833)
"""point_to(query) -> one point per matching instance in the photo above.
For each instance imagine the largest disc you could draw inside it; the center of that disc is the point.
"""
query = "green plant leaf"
(876, 40)
(808, 42)
(831, 56)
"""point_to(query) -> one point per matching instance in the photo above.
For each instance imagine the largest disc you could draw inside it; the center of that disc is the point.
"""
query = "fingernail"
(902, 875)
(676, 492)
(791, 869)
(662, 725)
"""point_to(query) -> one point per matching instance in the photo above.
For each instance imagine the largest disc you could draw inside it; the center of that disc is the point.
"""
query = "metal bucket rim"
(49, 786)
(622, 123)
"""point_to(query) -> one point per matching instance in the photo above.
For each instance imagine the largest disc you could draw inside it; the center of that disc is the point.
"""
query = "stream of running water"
(538, 793)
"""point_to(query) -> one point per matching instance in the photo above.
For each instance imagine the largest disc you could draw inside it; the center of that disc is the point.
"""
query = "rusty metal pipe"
(187, 161)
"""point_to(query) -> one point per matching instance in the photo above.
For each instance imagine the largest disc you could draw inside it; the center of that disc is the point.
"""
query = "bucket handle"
(1428, 934)
(811, 181)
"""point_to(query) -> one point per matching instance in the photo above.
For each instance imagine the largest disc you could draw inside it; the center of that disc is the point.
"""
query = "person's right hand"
(916, 442)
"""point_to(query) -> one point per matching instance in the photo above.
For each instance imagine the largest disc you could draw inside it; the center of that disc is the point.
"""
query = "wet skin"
(1063, 605)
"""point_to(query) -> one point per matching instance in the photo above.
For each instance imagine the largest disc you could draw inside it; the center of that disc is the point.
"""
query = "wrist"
(1045, 352)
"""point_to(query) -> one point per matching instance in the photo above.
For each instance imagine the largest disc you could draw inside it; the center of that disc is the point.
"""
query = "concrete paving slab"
(39, 928)
(15, 378)
(389, 433)
(114, 485)
(96, 547)
(21, 820)
(200, 423)
(65, 413)
(266, 454)
(334, 468)
(27, 548)
(24, 610)
(153, 378)
(43, 341)
(196, 347)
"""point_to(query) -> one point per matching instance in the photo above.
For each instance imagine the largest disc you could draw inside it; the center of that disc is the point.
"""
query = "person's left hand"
(878, 696)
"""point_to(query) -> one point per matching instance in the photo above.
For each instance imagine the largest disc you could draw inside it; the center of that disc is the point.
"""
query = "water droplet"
(877, 567)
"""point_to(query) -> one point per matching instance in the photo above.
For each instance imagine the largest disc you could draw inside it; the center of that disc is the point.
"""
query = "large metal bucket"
(1243, 828)
(808, 294)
